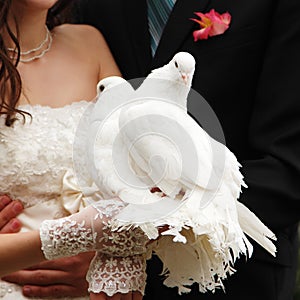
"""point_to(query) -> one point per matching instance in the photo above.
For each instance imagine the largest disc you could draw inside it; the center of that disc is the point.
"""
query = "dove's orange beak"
(184, 77)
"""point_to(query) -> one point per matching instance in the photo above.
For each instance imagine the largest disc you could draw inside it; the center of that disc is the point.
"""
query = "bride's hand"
(9, 209)
(119, 265)
(91, 230)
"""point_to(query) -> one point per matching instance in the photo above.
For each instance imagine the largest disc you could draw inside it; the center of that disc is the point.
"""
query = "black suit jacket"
(249, 75)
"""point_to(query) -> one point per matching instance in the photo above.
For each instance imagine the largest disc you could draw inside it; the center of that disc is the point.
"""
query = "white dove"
(153, 122)
(169, 150)
(105, 157)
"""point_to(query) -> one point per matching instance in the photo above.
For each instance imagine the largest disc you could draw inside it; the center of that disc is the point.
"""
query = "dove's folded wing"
(168, 145)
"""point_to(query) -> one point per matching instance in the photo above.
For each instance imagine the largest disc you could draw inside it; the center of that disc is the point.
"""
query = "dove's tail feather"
(254, 228)
(237, 179)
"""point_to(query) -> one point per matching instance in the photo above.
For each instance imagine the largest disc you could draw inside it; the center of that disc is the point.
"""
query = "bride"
(48, 77)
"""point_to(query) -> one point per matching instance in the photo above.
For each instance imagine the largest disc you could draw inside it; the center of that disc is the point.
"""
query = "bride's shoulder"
(89, 45)
(80, 35)
(77, 30)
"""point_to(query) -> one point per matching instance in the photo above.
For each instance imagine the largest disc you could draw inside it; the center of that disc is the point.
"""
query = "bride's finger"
(137, 296)
(128, 296)
(118, 296)
(100, 296)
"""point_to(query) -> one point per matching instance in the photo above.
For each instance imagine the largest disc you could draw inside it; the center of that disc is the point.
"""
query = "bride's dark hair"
(10, 80)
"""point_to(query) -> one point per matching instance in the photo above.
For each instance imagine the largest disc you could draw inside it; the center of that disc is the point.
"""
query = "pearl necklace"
(48, 39)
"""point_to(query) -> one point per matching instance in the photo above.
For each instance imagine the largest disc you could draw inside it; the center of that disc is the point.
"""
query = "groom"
(250, 77)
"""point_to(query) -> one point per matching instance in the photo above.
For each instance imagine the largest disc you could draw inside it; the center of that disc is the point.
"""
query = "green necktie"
(158, 14)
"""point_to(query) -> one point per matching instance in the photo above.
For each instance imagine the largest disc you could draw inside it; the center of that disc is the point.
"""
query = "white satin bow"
(73, 197)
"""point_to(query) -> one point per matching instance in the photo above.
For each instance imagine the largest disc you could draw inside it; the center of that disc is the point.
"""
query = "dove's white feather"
(253, 227)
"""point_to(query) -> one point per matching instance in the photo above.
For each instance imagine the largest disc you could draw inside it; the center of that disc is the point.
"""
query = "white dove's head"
(183, 67)
(180, 69)
(107, 83)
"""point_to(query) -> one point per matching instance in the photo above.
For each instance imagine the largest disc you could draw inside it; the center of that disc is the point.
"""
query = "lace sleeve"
(113, 275)
(119, 265)
(90, 230)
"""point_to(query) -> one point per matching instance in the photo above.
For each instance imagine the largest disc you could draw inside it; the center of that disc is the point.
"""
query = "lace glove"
(91, 230)
(113, 275)
(114, 269)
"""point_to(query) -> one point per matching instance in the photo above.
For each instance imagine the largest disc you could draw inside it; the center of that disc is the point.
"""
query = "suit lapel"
(179, 26)
(136, 19)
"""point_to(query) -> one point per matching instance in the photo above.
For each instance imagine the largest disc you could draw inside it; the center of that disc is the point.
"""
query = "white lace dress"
(36, 167)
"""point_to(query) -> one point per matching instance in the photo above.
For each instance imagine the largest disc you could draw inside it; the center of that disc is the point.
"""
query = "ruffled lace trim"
(113, 275)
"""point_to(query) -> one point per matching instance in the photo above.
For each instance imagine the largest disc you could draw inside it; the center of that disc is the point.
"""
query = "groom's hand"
(9, 210)
(63, 277)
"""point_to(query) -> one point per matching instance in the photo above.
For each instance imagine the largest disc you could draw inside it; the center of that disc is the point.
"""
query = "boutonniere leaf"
(211, 23)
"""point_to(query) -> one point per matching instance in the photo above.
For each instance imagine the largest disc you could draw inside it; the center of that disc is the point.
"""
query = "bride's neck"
(30, 28)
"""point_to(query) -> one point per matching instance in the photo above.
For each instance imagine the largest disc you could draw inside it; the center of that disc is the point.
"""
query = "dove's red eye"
(176, 64)
(101, 88)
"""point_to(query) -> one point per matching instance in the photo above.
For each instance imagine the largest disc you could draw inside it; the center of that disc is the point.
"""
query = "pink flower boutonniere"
(211, 23)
